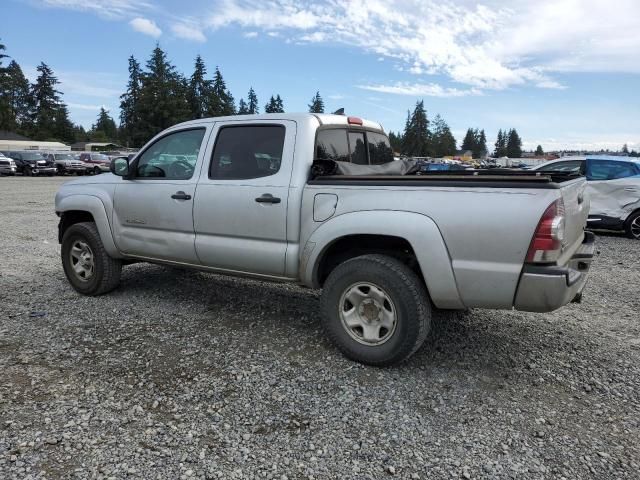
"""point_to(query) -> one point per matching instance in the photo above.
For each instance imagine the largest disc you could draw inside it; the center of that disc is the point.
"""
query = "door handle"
(267, 198)
(181, 196)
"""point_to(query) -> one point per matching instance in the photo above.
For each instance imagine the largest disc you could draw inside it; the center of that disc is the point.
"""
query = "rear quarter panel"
(486, 232)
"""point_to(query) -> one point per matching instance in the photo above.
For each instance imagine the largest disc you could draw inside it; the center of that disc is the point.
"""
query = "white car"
(614, 186)
(7, 165)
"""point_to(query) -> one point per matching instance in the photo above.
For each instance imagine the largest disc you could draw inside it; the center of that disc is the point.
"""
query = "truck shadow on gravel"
(286, 319)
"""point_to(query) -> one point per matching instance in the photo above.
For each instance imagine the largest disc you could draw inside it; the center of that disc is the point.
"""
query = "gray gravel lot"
(190, 375)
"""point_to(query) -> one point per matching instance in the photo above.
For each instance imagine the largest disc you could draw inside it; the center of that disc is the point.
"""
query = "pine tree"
(15, 100)
(3, 48)
(243, 109)
(317, 104)
(443, 142)
(270, 106)
(46, 102)
(163, 101)
(501, 145)
(63, 127)
(106, 125)
(221, 101)
(481, 145)
(415, 140)
(395, 140)
(279, 104)
(539, 151)
(130, 107)
(274, 105)
(469, 142)
(253, 102)
(625, 148)
(514, 144)
(199, 91)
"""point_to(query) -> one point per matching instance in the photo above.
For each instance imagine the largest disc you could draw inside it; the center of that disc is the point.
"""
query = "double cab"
(242, 196)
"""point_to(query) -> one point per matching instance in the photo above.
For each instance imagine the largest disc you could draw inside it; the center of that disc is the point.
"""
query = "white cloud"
(146, 26)
(104, 8)
(188, 32)
(250, 35)
(84, 106)
(420, 90)
(493, 46)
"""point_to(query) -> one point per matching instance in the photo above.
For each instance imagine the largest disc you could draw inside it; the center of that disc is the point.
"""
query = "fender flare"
(420, 231)
(94, 206)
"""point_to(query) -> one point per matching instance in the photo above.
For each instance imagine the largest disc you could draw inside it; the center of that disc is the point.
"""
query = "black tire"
(60, 170)
(27, 172)
(632, 226)
(408, 296)
(106, 272)
(97, 171)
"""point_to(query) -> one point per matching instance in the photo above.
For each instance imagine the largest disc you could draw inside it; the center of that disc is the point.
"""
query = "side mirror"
(119, 166)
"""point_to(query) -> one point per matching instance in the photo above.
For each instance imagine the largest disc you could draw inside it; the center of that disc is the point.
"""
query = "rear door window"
(357, 149)
(332, 145)
(379, 148)
(610, 170)
(244, 152)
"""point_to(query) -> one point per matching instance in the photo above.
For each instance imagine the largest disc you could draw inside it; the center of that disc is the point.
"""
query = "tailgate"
(576, 208)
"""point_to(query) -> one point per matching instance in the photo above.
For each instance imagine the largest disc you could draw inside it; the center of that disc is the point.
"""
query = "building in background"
(13, 141)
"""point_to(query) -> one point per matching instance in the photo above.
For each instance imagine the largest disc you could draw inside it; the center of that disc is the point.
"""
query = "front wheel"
(97, 171)
(376, 310)
(633, 226)
(86, 263)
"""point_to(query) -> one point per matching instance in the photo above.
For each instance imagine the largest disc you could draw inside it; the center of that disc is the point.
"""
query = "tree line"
(158, 96)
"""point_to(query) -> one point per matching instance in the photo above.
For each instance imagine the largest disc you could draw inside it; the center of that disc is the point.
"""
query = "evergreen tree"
(130, 121)
(243, 109)
(442, 140)
(539, 151)
(279, 104)
(63, 127)
(15, 100)
(625, 148)
(274, 105)
(3, 48)
(79, 134)
(317, 104)
(415, 140)
(163, 101)
(469, 142)
(199, 91)
(46, 102)
(514, 144)
(221, 101)
(481, 146)
(253, 102)
(501, 145)
(395, 140)
(106, 125)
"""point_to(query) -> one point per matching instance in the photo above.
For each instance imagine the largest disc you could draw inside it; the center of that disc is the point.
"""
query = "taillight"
(354, 121)
(546, 244)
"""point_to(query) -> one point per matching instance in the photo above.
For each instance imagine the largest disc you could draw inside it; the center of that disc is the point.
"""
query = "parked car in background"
(31, 163)
(65, 162)
(614, 186)
(95, 162)
(7, 165)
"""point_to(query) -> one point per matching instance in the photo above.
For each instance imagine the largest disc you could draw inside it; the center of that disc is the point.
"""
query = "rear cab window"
(361, 147)
(610, 169)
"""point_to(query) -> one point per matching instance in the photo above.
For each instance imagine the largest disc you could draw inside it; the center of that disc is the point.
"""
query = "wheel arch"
(86, 208)
(395, 233)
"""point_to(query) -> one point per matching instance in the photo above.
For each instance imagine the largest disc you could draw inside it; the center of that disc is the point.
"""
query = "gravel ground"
(189, 375)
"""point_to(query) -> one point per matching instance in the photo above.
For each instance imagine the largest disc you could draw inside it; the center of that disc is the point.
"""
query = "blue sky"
(565, 73)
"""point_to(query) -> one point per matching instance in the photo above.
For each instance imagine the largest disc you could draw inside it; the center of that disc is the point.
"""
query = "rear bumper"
(547, 288)
(604, 222)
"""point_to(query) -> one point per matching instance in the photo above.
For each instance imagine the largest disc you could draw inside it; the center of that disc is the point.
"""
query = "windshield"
(32, 156)
(64, 156)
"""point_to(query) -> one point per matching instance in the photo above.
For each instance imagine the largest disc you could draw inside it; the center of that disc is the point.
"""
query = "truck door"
(240, 212)
(153, 210)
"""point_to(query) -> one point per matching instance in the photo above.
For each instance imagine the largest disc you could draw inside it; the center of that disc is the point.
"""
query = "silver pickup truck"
(241, 196)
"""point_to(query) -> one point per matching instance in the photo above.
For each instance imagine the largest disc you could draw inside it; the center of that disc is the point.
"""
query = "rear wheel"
(97, 171)
(376, 310)
(59, 170)
(86, 263)
(632, 226)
